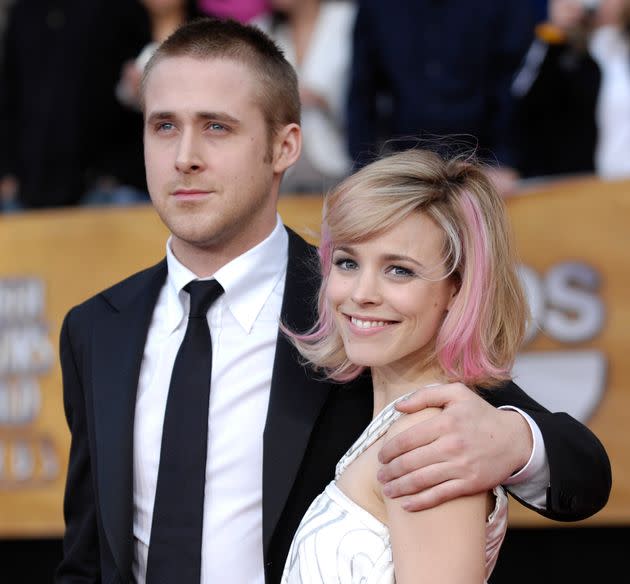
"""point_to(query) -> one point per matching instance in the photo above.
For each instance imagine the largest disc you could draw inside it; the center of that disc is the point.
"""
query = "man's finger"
(418, 480)
(407, 462)
(418, 436)
(434, 496)
(432, 396)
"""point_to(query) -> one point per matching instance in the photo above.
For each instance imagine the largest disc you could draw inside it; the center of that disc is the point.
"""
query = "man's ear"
(287, 145)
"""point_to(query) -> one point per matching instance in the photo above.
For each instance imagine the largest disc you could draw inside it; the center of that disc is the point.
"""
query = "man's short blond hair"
(210, 38)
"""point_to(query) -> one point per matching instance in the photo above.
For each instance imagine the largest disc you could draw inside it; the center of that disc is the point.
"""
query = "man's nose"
(189, 158)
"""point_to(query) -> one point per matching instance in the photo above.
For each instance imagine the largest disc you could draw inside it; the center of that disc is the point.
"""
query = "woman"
(572, 94)
(419, 285)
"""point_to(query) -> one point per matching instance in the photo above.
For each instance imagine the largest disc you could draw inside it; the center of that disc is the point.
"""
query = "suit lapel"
(296, 397)
(119, 339)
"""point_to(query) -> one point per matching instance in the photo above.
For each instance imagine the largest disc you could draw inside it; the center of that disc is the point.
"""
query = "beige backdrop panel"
(53, 260)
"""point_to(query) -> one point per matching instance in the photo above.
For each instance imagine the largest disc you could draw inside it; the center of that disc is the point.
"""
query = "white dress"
(339, 542)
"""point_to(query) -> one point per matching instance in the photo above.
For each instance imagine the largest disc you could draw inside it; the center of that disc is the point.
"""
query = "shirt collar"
(248, 280)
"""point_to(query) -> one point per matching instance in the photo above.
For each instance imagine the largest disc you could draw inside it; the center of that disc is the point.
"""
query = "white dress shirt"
(530, 483)
(244, 327)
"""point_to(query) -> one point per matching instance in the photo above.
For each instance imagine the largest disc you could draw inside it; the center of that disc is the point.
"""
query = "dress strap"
(376, 428)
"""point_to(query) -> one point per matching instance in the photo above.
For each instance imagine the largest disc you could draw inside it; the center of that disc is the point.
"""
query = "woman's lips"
(363, 325)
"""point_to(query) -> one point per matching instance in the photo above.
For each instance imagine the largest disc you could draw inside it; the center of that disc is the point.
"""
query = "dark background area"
(542, 556)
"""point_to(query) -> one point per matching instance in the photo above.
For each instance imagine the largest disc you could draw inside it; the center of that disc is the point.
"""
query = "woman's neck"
(389, 384)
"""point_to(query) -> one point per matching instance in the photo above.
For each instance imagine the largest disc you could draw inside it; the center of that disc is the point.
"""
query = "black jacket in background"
(555, 111)
(444, 67)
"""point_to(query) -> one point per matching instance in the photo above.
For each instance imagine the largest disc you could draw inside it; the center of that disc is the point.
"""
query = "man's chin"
(197, 238)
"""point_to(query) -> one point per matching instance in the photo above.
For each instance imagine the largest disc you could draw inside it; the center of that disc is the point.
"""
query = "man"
(221, 113)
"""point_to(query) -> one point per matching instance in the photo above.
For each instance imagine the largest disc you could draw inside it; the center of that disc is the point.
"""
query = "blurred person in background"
(242, 10)
(316, 37)
(64, 132)
(165, 16)
(573, 92)
(540, 10)
(423, 69)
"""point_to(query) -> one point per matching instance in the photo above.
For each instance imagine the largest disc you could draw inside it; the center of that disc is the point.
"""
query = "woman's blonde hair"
(482, 331)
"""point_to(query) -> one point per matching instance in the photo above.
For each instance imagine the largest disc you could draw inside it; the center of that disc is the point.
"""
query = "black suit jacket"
(310, 424)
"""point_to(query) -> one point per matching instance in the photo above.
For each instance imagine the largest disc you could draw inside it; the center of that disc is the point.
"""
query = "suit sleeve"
(580, 473)
(80, 563)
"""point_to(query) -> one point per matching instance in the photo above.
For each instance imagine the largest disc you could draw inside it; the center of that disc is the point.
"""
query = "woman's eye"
(400, 271)
(345, 264)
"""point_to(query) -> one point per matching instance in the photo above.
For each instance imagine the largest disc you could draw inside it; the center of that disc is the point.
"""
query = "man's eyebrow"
(218, 116)
(161, 116)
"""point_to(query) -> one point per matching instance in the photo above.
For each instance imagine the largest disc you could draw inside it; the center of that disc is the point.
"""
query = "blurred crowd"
(537, 88)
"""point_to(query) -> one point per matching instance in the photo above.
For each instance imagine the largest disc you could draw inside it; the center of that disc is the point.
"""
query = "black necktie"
(175, 546)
